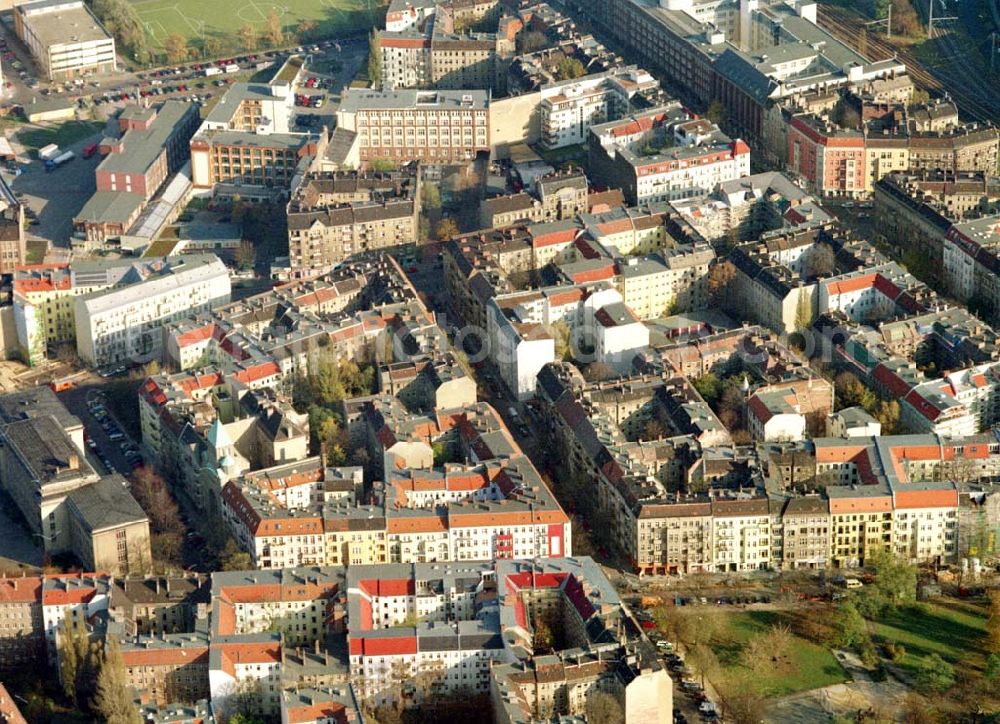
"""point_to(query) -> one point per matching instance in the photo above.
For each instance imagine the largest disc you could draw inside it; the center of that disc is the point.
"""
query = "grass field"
(197, 20)
(954, 631)
(65, 134)
(809, 665)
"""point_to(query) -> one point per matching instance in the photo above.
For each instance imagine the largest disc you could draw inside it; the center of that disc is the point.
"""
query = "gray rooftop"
(106, 504)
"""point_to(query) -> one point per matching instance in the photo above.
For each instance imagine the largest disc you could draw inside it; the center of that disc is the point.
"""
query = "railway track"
(974, 100)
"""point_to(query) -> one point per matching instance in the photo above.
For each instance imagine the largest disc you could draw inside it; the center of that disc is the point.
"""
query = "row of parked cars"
(305, 101)
(688, 683)
(115, 435)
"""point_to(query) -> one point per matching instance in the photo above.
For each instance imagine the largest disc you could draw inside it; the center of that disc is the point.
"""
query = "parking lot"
(54, 197)
(110, 449)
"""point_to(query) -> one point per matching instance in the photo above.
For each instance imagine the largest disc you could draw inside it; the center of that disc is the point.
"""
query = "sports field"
(199, 19)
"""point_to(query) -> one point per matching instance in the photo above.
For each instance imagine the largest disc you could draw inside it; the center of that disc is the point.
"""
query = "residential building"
(554, 197)
(323, 233)
(22, 634)
(168, 667)
(125, 325)
(570, 108)
(65, 38)
(664, 155)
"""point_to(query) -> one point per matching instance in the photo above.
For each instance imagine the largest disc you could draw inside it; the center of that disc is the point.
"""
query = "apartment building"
(664, 155)
(970, 260)
(323, 233)
(154, 605)
(435, 127)
(125, 325)
(570, 108)
(658, 284)
(832, 159)
(553, 197)
(167, 668)
(65, 38)
(22, 638)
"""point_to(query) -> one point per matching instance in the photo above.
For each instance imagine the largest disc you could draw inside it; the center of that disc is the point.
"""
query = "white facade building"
(125, 325)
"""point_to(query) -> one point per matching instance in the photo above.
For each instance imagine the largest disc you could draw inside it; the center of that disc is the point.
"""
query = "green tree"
(70, 657)
(382, 164)
(530, 41)
(895, 580)
(232, 558)
(709, 387)
(273, 32)
(570, 68)
(992, 672)
(716, 113)
(430, 197)
(849, 626)
(934, 674)
(112, 698)
(375, 59)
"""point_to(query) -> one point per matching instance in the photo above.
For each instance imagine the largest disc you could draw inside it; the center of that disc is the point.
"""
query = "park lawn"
(954, 630)
(196, 19)
(65, 134)
(810, 666)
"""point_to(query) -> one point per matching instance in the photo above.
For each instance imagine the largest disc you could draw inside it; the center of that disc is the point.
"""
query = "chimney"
(74, 461)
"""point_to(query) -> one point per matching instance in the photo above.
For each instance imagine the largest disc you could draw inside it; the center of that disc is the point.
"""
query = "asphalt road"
(107, 450)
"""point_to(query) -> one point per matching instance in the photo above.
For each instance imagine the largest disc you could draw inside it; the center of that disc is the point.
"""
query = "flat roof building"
(65, 38)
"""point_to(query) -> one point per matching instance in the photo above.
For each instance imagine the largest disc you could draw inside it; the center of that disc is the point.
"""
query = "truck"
(48, 152)
(212, 70)
(54, 163)
(232, 68)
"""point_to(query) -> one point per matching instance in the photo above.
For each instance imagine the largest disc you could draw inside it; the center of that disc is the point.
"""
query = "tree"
(248, 37)
(445, 229)
(112, 698)
(849, 626)
(654, 430)
(603, 707)
(895, 581)
(151, 492)
(70, 657)
(542, 637)
(375, 59)
(992, 672)
(849, 391)
(306, 29)
(176, 48)
(905, 19)
(934, 674)
(246, 254)
(273, 32)
(562, 336)
(709, 387)
(888, 413)
(382, 164)
(716, 113)
(211, 46)
(599, 371)
(570, 68)
(720, 281)
(819, 260)
(993, 623)
(803, 312)
(233, 559)
(530, 41)
(430, 197)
